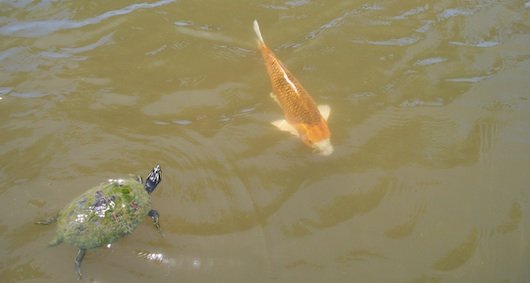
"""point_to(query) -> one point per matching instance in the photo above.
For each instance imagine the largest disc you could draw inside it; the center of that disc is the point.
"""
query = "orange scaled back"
(299, 108)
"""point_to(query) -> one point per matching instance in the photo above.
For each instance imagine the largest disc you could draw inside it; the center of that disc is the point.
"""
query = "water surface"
(430, 120)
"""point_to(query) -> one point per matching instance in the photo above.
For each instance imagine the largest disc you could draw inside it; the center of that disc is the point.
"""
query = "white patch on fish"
(283, 125)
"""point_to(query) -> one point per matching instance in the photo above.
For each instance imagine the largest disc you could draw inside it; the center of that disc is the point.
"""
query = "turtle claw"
(78, 260)
(155, 216)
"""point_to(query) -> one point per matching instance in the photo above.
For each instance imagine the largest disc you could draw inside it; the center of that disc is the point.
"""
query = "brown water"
(430, 112)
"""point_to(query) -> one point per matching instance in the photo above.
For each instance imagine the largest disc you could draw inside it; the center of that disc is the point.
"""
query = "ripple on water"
(27, 94)
(412, 12)
(406, 228)
(450, 13)
(104, 40)
(198, 105)
(203, 31)
(231, 52)
(460, 255)
(426, 26)
(339, 205)
(482, 44)
(45, 27)
(5, 90)
(474, 79)
(212, 196)
(438, 102)
(430, 61)
(403, 41)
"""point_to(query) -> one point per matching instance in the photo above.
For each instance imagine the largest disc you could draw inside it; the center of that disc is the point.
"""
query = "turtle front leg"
(78, 260)
(48, 221)
(154, 215)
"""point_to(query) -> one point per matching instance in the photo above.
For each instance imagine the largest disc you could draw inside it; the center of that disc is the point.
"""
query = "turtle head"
(153, 179)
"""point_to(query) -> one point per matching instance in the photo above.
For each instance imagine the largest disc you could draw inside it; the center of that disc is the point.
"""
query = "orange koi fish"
(302, 116)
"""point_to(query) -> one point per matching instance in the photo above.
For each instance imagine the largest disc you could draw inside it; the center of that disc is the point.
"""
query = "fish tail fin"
(258, 33)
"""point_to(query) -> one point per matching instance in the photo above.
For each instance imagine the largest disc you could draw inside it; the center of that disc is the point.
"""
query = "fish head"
(324, 147)
(317, 137)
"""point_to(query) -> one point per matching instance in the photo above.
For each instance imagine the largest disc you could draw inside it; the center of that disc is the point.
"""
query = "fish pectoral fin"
(324, 111)
(273, 96)
(283, 125)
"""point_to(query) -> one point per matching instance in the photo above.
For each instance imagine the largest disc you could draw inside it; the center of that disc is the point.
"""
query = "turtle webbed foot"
(154, 215)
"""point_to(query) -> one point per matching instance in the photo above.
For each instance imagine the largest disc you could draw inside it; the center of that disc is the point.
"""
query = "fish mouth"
(324, 147)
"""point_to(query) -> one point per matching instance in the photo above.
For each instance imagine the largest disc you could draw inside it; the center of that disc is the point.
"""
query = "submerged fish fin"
(273, 96)
(324, 111)
(258, 32)
(283, 125)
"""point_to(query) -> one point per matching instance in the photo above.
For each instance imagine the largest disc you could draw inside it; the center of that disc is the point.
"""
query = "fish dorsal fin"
(283, 125)
(324, 111)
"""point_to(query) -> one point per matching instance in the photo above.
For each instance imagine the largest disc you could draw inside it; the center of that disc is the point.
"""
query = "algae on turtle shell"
(105, 213)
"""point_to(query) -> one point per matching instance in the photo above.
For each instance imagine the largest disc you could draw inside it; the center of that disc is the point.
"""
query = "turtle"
(105, 213)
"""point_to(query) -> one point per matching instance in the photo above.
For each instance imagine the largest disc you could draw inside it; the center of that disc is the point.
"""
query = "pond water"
(430, 121)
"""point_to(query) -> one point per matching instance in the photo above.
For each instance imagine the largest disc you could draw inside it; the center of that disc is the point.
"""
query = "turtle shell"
(103, 214)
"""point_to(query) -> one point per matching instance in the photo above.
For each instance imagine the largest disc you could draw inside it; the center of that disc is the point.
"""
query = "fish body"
(303, 117)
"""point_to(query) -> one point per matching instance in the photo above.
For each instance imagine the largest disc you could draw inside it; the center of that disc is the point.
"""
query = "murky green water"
(429, 181)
